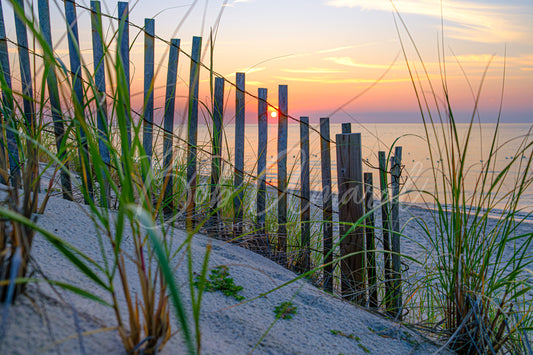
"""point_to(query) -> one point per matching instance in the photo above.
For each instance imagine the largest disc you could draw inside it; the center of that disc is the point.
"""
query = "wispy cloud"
(232, 3)
(470, 20)
(525, 62)
(315, 71)
(433, 77)
(247, 71)
(351, 63)
(253, 70)
(337, 49)
(339, 81)
(480, 60)
(254, 83)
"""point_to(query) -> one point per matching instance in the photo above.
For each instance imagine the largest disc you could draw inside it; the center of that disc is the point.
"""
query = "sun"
(274, 114)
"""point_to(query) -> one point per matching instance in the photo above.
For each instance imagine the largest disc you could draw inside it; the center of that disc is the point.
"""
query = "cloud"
(247, 71)
(525, 62)
(315, 71)
(470, 21)
(351, 63)
(232, 4)
(481, 60)
(472, 63)
(335, 49)
(253, 70)
(254, 83)
(436, 77)
(340, 81)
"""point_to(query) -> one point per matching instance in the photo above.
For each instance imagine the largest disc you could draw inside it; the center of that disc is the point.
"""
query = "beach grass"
(471, 294)
(476, 288)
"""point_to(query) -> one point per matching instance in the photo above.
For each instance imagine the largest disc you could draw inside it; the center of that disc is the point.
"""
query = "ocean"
(417, 173)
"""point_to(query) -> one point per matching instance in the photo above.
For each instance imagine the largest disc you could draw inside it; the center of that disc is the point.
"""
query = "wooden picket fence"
(356, 206)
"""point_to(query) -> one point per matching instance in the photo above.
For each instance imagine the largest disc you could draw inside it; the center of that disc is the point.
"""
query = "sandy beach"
(50, 320)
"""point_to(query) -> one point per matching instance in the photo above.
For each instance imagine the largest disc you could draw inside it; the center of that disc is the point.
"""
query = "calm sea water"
(418, 172)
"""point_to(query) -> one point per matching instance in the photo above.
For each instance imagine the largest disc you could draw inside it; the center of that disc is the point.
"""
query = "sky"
(343, 58)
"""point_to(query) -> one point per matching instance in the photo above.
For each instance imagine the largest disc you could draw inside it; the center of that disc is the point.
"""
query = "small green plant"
(349, 336)
(365, 349)
(285, 310)
(353, 337)
(409, 338)
(219, 280)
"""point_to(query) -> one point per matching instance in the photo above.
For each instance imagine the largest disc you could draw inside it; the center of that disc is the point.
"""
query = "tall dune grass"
(476, 288)
(471, 292)
(146, 327)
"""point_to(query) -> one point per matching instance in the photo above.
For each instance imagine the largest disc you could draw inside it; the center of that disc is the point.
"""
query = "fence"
(352, 255)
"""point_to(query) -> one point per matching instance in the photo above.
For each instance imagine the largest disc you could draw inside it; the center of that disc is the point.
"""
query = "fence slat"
(262, 128)
(27, 92)
(53, 93)
(148, 113)
(282, 174)
(99, 81)
(370, 242)
(77, 83)
(327, 203)
(351, 198)
(385, 221)
(25, 71)
(239, 151)
(4, 153)
(193, 131)
(346, 128)
(305, 207)
(7, 99)
(168, 123)
(218, 112)
(124, 55)
(396, 262)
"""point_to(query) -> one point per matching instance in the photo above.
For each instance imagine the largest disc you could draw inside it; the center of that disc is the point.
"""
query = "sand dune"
(51, 320)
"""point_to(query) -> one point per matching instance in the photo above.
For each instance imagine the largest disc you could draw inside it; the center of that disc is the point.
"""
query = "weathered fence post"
(305, 208)
(192, 131)
(77, 83)
(282, 174)
(346, 128)
(53, 93)
(7, 99)
(351, 209)
(385, 221)
(168, 124)
(262, 128)
(25, 71)
(218, 112)
(148, 112)
(101, 106)
(370, 242)
(239, 152)
(327, 203)
(124, 55)
(396, 262)
(27, 99)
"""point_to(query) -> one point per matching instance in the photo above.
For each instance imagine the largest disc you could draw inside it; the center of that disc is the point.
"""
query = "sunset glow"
(367, 164)
(351, 65)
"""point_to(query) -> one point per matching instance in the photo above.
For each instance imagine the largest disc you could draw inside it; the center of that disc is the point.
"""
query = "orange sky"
(330, 51)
